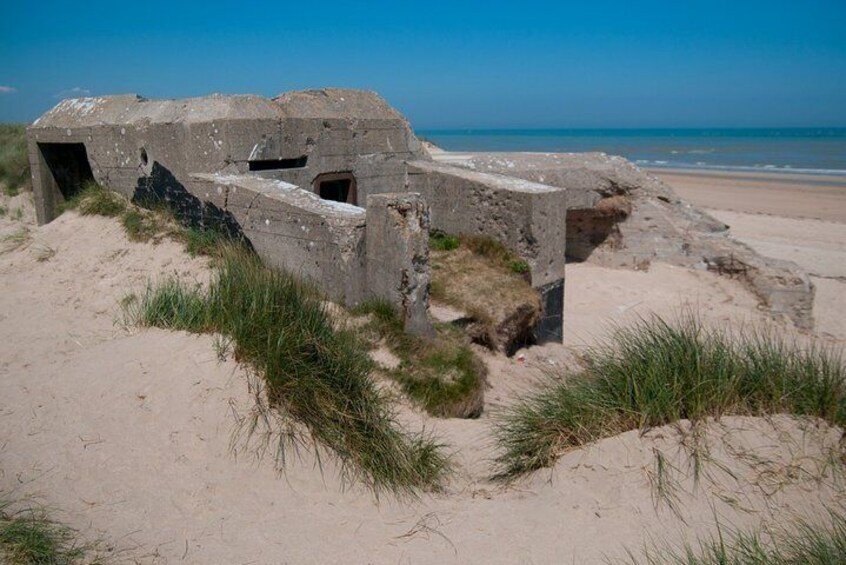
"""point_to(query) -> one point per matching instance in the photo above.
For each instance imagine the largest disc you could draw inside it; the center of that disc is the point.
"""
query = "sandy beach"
(127, 433)
(818, 197)
(800, 218)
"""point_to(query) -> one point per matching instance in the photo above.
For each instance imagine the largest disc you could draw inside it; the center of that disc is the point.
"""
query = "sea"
(819, 151)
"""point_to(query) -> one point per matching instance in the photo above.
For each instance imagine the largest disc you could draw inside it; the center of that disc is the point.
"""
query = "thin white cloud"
(74, 92)
(7, 89)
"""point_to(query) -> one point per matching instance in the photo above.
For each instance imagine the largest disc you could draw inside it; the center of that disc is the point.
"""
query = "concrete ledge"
(294, 229)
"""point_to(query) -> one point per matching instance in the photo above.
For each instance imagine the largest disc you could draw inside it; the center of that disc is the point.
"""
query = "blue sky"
(598, 63)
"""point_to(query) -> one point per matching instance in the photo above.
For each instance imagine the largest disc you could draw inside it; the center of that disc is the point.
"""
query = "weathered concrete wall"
(132, 142)
(347, 131)
(398, 256)
(529, 218)
(294, 229)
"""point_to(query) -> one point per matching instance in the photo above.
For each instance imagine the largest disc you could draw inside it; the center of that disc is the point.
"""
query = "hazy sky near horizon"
(599, 63)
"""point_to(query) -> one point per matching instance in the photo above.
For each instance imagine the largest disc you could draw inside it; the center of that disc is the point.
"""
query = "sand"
(816, 197)
(800, 218)
(128, 433)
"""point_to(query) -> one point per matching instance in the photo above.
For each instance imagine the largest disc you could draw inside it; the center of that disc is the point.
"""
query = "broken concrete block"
(526, 217)
(621, 216)
(398, 256)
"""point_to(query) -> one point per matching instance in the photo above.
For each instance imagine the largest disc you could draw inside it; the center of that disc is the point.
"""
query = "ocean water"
(797, 150)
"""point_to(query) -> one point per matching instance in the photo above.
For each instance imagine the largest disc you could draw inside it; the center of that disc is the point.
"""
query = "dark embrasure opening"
(68, 163)
(340, 187)
(275, 164)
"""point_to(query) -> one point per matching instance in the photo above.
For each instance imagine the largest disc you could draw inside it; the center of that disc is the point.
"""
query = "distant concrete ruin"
(333, 185)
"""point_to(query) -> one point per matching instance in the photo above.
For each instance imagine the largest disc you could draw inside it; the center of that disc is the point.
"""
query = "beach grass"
(316, 373)
(29, 537)
(94, 200)
(441, 373)
(14, 161)
(143, 224)
(802, 543)
(655, 373)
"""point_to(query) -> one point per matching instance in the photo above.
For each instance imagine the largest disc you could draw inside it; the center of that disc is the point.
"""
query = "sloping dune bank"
(128, 433)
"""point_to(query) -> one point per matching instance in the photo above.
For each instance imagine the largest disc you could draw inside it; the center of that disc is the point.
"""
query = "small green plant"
(518, 266)
(439, 241)
(29, 537)
(316, 374)
(2, 211)
(14, 161)
(441, 374)
(447, 380)
(656, 373)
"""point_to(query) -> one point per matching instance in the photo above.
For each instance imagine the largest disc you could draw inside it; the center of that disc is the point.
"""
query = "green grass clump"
(441, 374)
(440, 241)
(14, 161)
(144, 225)
(29, 537)
(94, 200)
(518, 266)
(203, 241)
(140, 225)
(317, 374)
(803, 544)
(447, 380)
(655, 373)
(495, 252)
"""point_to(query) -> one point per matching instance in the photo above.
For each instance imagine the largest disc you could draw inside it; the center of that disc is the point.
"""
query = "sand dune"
(128, 432)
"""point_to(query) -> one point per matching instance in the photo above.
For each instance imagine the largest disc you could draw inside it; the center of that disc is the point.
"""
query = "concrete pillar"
(397, 236)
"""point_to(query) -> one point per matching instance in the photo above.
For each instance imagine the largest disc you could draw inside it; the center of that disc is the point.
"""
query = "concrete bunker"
(66, 168)
(294, 175)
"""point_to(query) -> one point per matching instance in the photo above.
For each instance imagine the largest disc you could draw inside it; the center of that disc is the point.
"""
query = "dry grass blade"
(14, 241)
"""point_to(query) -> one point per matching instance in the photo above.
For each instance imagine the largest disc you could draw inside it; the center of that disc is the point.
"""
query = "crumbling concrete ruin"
(333, 185)
(621, 216)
